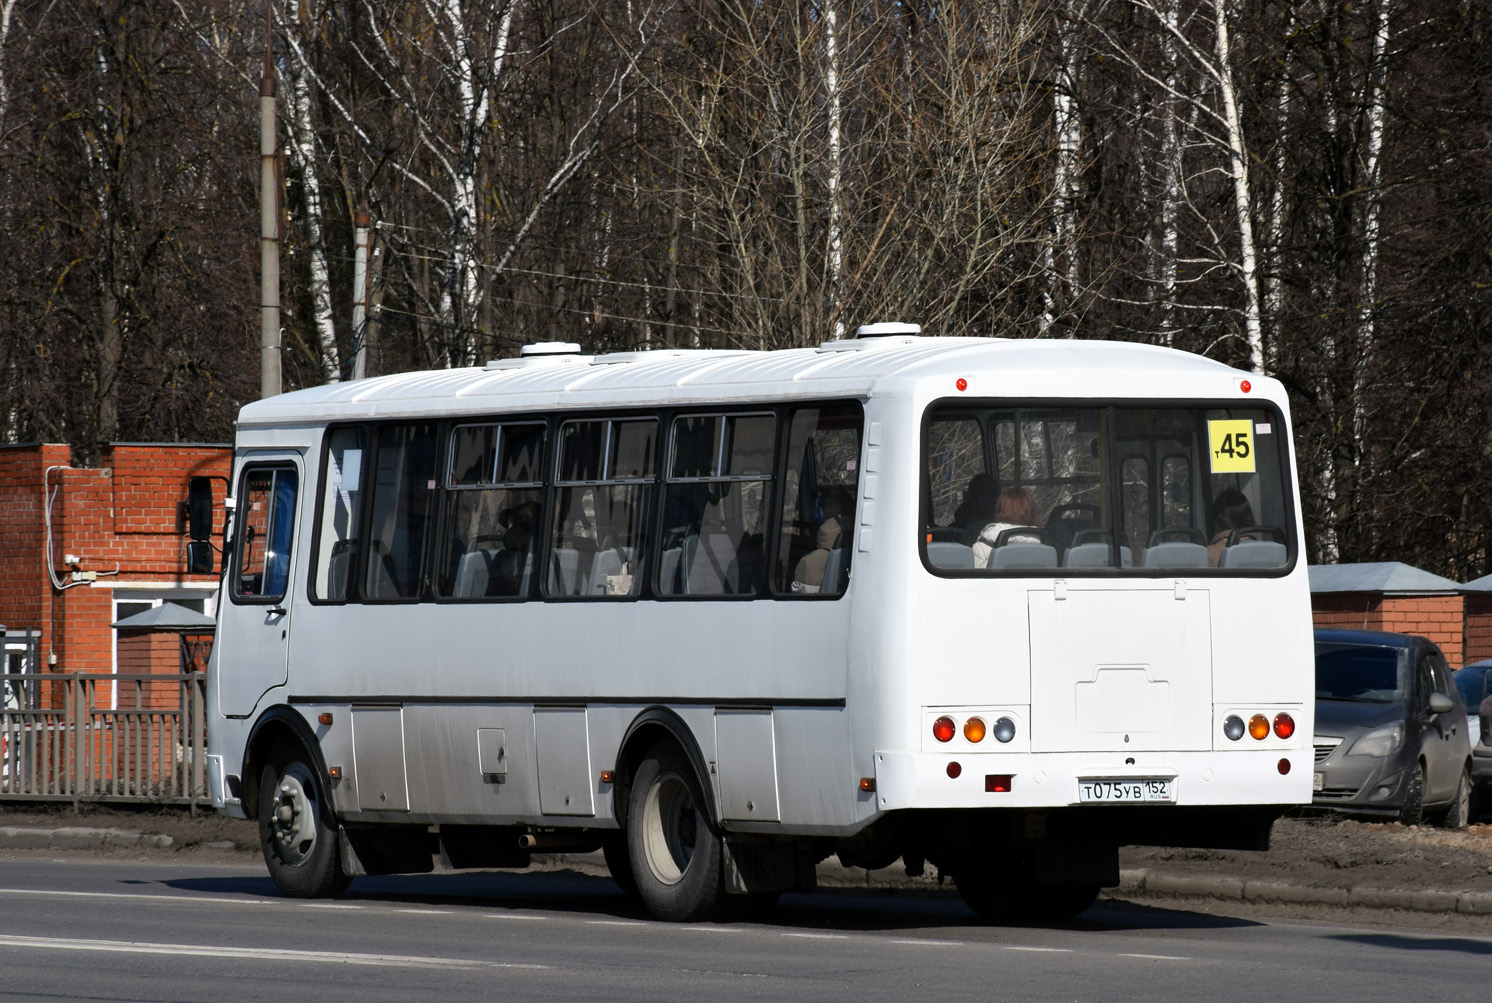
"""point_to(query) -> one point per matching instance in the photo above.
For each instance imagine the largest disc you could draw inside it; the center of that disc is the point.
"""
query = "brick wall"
(119, 517)
(1478, 627)
(1440, 618)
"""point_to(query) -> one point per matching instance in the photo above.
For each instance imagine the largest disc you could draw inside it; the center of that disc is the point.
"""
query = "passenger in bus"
(808, 576)
(1014, 509)
(510, 564)
(977, 510)
(1230, 511)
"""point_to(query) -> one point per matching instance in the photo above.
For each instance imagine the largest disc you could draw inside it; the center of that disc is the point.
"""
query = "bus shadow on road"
(838, 909)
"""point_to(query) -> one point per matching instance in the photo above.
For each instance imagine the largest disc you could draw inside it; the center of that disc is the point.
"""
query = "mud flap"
(386, 850)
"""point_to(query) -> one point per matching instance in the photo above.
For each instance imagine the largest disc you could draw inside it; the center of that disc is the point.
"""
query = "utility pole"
(362, 239)
(269, 222)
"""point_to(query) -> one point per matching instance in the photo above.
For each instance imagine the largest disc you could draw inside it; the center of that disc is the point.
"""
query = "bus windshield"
(1103, 489)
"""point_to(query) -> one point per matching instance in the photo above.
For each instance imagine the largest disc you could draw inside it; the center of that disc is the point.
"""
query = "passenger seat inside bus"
(1176, 547)
(1246, 550)
(947, 554)
(605, 564)
(473, 573)
(1092, 548)
(1014, 549)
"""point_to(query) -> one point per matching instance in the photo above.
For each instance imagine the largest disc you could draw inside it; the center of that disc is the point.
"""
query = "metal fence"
(116, 737)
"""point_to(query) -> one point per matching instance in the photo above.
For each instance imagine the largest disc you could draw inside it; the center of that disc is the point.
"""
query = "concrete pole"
(362, 238)
(269, 230)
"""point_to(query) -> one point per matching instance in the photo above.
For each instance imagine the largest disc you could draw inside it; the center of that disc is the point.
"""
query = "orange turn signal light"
(324, 718)
(974, 730)
(868, 784)
(1259, 727)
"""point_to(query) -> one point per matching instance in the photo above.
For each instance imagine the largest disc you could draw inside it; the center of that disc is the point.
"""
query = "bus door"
(254, 626)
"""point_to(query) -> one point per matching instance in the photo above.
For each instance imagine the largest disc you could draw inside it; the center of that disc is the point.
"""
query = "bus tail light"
(1004, 730)
(1233, 727)
(974, 730)
(954, 770)
(944, 729)
(1284, 725)
(1284, 767)
(1259, 727)
(998, 783)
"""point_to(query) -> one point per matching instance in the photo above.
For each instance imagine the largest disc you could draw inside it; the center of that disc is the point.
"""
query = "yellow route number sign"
(1232, 445)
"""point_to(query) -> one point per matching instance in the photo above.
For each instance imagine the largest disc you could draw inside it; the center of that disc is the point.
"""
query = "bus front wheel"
(296, 830)
(673, 847)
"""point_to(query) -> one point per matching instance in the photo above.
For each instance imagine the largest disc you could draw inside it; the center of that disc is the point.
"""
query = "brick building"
(1393, 596)
(81, 548)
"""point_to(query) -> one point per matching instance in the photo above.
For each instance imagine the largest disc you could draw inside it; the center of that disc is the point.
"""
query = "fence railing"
(115, 737)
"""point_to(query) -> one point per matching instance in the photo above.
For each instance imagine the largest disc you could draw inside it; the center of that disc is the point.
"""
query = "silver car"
(1390, 729)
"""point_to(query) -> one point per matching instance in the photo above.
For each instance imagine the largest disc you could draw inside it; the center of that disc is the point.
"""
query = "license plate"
(1318, 781)
(1123, 791)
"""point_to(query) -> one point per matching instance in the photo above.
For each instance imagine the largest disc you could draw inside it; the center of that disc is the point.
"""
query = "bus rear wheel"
(296, 830)
(673, 847)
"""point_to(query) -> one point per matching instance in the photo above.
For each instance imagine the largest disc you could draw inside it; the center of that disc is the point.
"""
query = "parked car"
(1474, 683)
(1390, 729)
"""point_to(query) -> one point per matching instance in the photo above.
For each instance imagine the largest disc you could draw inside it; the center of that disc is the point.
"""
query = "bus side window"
(337, 518)
(265, 533)
(604, 500)
(820, 492)
(403, 489)
(494, 493)
(719, 474)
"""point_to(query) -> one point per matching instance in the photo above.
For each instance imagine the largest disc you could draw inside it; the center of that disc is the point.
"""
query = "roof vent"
(549, 348)
(886, 329)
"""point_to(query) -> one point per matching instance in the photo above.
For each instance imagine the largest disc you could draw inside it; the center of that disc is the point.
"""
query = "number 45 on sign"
(1232, 445)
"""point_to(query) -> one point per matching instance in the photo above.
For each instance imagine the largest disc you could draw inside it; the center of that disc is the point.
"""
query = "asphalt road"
(125, 930)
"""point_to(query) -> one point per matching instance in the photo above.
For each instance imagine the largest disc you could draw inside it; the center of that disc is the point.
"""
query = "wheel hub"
(293, 817)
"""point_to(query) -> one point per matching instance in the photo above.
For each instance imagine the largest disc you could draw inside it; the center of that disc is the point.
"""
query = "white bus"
(997, 607)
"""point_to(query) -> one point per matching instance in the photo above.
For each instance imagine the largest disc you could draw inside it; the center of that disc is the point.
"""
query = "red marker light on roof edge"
(961, 383)
(1245, 386)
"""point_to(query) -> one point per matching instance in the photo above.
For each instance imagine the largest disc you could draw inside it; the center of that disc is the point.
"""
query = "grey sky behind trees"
(1304, 192)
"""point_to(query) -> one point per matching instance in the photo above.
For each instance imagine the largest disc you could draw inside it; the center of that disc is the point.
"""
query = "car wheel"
(674, 850)
(296, 831)
(1413, 812)
(1459, 812)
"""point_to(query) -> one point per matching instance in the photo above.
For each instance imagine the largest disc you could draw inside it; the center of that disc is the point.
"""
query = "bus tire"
(296, 830)
(673, 847)
(619, 863)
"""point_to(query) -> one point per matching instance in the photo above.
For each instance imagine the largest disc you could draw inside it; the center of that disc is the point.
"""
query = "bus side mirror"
(199, 508)
(199, 526)
(199, 557)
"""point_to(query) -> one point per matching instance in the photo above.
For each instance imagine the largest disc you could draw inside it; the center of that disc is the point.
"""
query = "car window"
(1424, 683)
(1441, 674)
(1370, 673)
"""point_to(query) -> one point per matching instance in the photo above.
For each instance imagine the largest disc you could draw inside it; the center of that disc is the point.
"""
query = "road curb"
(1142, 882)
(78, 838)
